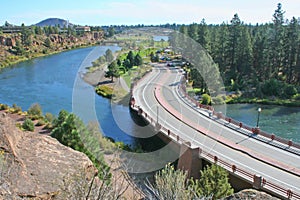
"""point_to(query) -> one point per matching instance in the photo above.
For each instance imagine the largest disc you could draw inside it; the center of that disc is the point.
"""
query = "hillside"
(24, 43)
(37, 166)
(54, 22)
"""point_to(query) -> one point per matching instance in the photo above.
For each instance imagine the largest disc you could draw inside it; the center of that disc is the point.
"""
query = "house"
(83, 29)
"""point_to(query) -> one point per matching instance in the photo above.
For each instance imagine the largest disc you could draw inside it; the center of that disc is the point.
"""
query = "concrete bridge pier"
(189, 160)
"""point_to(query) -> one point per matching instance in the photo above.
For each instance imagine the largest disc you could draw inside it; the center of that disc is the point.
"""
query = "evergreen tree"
(220, 51)
(113, 71)
(109, 55)
(234, 37)
(68, 129)
(19, 48)
(152, 57)
(127, 64)
(276, 51)
(111, 31)
(291, 51)
(38, 30)
(26, 35)
(47, 42)
(259, 61)
(119, 62)
(244, 53)
(192, 31)
(138, 60)
(130, 57)
(203, 35)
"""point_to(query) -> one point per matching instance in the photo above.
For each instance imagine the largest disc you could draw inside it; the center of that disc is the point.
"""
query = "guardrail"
(231, 167)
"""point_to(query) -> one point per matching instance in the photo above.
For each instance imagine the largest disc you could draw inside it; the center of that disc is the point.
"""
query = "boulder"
(11, 42)
(37, 166)
(249, 194)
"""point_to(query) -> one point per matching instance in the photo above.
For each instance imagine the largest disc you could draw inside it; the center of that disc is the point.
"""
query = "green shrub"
(49, 117)
(213, 182)
(28, 125)
(290, 91)
(3, 107)
(218, 100)
(296, 97)
(35, 111)
(105, 91)
(206, 99)
(41, 123)
(16, 109)
(69, 130)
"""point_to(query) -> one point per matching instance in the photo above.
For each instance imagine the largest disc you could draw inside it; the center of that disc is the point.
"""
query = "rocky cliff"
(36, 166)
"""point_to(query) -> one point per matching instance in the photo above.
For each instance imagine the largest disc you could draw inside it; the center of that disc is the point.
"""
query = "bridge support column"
(189, 161)
(257, 181)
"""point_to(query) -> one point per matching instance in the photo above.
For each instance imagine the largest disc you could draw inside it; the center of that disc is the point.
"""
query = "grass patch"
(280, 102)
(105, 91)
(127, 79)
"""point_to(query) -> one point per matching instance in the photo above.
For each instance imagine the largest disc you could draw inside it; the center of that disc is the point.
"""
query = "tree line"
(252, 56)
(125, 64)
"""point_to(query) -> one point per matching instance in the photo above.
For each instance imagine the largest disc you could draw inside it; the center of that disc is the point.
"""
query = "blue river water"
(50, 81)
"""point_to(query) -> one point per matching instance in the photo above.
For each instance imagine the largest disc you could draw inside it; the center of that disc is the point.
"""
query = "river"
(51, 80)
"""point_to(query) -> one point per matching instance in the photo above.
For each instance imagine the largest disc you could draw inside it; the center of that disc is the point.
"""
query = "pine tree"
(259, 61)
(277, 40)
(26, 35)
(47, 42)
(109, 55)
(244, 53)
(234, 36)
(203, 35)
(220, 51)
(213, 182)
(130, 57)
(138, 60)
(113, 71)
(291, 51)
(192, 31)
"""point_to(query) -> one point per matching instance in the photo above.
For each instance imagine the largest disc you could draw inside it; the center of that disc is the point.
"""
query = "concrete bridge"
(252, 157)
(112, 42)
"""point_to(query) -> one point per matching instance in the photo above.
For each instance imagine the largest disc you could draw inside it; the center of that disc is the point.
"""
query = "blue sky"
(118, 12)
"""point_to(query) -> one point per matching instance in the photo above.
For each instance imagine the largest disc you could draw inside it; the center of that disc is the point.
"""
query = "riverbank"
(116, 90)
(278, 102)
(14, 59)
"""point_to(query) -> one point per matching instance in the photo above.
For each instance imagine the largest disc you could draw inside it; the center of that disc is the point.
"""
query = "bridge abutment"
(189, 161)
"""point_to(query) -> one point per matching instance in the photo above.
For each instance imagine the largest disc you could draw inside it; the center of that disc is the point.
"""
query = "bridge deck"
(159, 93)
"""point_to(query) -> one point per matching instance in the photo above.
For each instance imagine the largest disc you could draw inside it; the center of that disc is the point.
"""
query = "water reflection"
(280, 120)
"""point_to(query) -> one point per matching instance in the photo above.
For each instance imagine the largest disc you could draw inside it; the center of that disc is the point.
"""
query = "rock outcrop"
(250, 194)
(37, 166)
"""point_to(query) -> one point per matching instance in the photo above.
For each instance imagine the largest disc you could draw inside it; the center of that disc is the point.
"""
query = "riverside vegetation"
(129, 64)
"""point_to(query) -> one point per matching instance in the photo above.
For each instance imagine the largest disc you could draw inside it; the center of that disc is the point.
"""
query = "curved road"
(158, 94)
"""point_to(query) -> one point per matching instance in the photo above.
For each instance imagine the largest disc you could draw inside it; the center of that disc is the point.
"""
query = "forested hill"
(263, 59)
(54, 22)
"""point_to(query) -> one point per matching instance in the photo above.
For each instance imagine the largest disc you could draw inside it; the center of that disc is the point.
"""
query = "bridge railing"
(254, 130)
